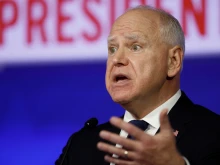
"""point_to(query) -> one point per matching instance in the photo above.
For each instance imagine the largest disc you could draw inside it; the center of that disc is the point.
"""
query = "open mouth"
(121, 78)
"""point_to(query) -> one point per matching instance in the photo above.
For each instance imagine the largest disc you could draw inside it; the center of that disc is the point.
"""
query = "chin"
(122, 99)
(121, 95)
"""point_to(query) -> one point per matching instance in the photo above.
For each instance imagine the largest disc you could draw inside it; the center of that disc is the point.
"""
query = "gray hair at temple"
(170, 29)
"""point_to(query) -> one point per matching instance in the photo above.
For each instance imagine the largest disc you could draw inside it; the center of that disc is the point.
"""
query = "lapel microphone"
(89, 124)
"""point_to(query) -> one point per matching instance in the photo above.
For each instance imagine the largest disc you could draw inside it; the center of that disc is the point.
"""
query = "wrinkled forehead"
(133, 24)
(132, 36)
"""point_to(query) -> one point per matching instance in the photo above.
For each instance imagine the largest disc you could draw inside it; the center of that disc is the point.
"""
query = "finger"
(118, 161)
(132, 130)
(164, 122)
(122, 153)
(116, 139)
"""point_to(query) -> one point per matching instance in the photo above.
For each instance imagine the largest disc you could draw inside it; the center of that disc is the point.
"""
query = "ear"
(175, 59)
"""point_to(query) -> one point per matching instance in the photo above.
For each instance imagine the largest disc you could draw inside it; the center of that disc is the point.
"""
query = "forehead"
(133, 36)
(135, 25)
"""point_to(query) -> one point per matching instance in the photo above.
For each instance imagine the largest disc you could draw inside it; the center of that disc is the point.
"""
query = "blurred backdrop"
(52, 68)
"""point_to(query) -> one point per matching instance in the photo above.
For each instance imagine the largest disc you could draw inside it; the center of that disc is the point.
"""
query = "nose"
(120, 59)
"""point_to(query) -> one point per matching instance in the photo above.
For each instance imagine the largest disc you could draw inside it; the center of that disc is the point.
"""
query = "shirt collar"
(153, 117)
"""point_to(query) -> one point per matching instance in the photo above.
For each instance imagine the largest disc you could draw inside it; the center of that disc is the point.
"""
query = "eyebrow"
(130, 37)
(111, 39)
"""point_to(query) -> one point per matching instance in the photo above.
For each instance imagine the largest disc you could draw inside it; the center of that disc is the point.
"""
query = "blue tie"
(140, 124)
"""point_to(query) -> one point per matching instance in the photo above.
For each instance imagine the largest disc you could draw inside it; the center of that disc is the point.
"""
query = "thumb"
(164, 122)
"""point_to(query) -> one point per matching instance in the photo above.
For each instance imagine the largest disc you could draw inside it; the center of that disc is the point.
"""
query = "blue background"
(41, 105)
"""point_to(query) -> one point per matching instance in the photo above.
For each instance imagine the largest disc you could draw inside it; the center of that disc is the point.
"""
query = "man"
(145, 55)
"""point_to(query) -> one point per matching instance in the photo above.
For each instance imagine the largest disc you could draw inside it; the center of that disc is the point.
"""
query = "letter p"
(5, 22)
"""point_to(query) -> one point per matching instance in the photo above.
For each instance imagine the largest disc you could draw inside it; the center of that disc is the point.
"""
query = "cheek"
(144, 68)
(146, 74)
(106, 77)
(107, 73)
(148, 70)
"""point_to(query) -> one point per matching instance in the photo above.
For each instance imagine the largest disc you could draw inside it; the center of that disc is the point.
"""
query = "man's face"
(137, 59)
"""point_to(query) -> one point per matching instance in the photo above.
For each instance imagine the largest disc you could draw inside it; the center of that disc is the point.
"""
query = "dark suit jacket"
(198, 138)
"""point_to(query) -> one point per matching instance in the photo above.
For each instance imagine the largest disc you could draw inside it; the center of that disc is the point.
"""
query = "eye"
(112, 50)
(135, 47)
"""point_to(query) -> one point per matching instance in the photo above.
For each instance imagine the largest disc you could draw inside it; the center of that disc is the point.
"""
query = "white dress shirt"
(152, 119)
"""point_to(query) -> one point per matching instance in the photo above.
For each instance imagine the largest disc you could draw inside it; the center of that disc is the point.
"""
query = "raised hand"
(145, 149)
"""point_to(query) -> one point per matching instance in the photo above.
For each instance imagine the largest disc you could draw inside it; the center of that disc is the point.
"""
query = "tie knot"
(140, 124)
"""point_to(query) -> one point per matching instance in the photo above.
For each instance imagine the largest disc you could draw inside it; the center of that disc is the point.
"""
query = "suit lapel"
(181, 115)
